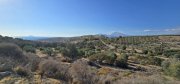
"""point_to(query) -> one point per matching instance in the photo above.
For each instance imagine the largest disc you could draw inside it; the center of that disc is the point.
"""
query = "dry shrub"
(83, 73)
(22, 71)
(105, 79)
(11, 56)
(12, 51)
(33, 62)
(54, 69)
(154, 79)
(6, 64)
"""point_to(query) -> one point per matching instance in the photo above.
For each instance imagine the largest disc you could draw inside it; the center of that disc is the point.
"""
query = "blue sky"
(83, 17)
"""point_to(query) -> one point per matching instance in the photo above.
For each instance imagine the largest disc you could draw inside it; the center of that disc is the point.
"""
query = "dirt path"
(110, 46)
(40, 54)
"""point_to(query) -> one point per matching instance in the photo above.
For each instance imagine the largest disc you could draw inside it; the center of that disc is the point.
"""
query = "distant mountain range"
(35, 38)
(114, 35)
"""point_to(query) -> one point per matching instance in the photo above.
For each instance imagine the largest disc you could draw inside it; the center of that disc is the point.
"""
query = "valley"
(91, 60)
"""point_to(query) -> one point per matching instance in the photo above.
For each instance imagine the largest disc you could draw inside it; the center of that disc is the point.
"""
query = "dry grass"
(104, 71)
(169, 38)
(82, 73)
(40, 53)
(154, 79)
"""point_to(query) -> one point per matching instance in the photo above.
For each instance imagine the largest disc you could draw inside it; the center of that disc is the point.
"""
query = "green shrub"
(29, 48)
(150, 53)
(172, 53)
(41, 48)
(172, 68)
(148, 60)
(124, 47)
(111, 57)
(121, 61)
(134, 50)
(177, 55)
(89, 53)
(175, 70)
(154, 61)
(165, 65)
(71, 51)
(104, 58)
(158, 51)
(49, 51)
(145, 51)
(21, 71)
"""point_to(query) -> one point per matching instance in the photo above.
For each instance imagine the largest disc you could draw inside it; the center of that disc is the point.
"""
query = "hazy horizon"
(64, 18)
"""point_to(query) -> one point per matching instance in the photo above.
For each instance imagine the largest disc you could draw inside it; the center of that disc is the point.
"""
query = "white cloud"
(147, 30)
(173, 31)
(164, 31)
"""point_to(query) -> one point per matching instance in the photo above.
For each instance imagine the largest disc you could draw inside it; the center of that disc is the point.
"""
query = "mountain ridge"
(41, 38)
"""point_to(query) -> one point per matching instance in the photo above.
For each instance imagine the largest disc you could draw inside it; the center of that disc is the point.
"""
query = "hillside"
(159, 38)
(32, 38)
(91, 60)
(70, 39)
